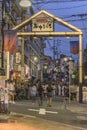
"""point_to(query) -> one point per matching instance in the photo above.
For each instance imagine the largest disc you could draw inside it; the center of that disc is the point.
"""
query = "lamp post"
(69, 60)
(34, 61)
(70, 73)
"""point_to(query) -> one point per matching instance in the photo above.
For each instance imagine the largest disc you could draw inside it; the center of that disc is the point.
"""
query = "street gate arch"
(74, 33)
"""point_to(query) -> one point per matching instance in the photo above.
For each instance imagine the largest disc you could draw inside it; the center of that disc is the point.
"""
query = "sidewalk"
(35, 124)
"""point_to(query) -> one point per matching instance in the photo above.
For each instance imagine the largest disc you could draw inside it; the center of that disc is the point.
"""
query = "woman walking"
(49, 95)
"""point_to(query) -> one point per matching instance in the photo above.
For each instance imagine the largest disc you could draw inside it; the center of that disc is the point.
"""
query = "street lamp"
(35, 58)
(69, 60)
(25, 3)
(33, 64)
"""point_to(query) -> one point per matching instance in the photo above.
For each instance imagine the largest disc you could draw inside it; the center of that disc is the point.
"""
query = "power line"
(57, 1)
(71, 7)
(39, 4)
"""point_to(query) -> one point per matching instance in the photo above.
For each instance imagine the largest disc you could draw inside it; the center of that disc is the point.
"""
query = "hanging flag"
(74, 47)
(10, 41)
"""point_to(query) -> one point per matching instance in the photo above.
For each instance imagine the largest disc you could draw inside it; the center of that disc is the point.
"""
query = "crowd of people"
(41, 91)
(31, 91)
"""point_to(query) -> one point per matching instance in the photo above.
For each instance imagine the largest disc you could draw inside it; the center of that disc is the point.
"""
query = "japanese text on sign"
(42, 24)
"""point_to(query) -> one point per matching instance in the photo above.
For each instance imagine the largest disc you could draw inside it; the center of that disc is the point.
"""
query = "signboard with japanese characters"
(42, 23)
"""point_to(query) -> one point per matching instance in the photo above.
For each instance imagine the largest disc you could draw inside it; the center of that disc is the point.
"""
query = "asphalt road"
(56, 113)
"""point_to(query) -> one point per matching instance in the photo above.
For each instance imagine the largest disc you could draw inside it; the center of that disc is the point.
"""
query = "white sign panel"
(42, 23)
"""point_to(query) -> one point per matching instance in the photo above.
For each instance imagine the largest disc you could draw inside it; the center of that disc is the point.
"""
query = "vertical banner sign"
(74, 47)
(10, 41)
(42, 23)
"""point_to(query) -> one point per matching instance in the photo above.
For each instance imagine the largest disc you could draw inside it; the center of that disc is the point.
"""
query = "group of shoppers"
(40, 91)
(32, 91)
(48, 91)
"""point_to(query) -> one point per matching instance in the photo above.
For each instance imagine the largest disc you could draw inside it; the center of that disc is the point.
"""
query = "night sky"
(72, 11)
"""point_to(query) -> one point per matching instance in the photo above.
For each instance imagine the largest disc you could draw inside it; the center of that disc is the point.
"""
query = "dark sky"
(71, 11)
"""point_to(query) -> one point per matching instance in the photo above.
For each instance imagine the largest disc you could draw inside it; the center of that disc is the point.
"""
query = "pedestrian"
(59, 89)
(49, 95)
(33, 92)
(54, 89)
(45, 90)
(6, 100)
(11, 88)
(40, 91)
(28, 96)
(1, 99)
(63, 89)
(66, 99)
(66, 92)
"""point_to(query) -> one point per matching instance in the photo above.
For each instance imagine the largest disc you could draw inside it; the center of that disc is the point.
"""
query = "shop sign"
(42, 23)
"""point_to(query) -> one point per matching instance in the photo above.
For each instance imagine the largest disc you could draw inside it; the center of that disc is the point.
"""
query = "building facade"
(19, 64)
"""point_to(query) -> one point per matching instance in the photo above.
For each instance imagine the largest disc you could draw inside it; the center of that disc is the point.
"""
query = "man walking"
(40, 91)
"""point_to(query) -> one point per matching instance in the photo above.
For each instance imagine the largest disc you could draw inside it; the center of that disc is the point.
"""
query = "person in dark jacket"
(40, 94)
(66, 99)
(66, 94)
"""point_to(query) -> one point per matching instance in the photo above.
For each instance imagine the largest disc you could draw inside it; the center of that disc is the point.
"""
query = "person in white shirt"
(63, 88)
(6, 99)
(54, 90)
(45, 90)
(1, 99)
(11, 91)
(33, 92)
(59, 89)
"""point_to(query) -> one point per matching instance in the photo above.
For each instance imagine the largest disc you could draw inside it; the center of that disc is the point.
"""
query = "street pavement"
(28, 122)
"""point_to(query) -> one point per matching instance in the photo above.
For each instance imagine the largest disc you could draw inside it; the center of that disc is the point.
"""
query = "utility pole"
(56, 49)
(2, 33)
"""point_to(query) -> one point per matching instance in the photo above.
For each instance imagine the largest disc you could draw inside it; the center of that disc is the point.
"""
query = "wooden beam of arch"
(58, 20)
(61, 34)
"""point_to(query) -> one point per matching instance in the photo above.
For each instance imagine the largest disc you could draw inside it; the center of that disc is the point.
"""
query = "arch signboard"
(43, 25)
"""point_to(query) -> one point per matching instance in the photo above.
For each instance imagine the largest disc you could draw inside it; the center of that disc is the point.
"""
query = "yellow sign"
(3, 77)
(2, 81)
